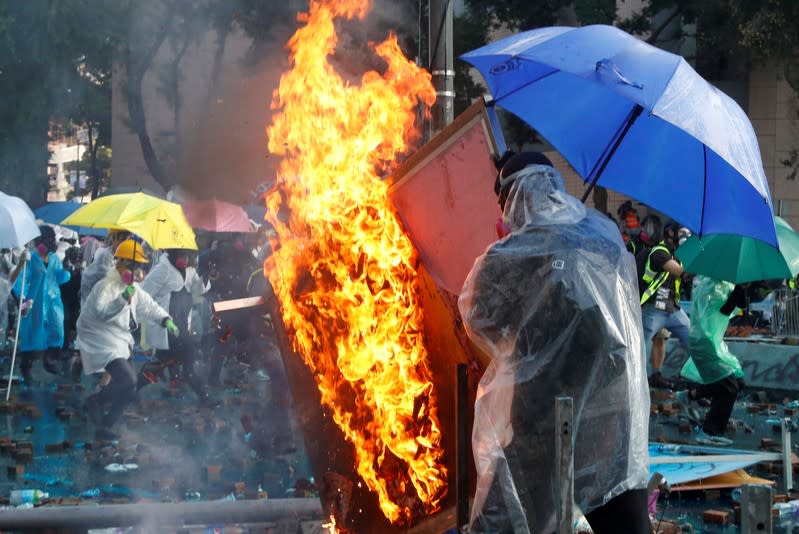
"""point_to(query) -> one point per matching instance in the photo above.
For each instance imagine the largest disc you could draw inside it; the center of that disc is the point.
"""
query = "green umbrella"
(741, 259)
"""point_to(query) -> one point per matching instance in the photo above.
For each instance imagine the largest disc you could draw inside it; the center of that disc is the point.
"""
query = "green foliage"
(54, 62)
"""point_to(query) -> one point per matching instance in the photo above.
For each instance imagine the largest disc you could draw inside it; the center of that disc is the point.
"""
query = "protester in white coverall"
(115, 305)
(173, 284)
(101, 264)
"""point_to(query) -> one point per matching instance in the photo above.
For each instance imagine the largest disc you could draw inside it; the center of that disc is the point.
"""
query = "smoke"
(214, 141)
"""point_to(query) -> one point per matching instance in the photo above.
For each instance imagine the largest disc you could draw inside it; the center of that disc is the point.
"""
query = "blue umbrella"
(55, 212)
(638, 120)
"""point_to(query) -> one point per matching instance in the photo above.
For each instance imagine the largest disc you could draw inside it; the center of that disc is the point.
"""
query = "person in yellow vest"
(659, 285)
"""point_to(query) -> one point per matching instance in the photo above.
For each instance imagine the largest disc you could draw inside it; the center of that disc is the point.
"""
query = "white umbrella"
(17, 228)
(17, 222)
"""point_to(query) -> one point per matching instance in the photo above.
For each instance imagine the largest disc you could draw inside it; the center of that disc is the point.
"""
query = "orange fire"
(344, 271)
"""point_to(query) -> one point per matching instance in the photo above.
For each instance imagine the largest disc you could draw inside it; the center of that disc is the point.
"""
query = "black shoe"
(52, 366)
(104, 434)
(658, 381)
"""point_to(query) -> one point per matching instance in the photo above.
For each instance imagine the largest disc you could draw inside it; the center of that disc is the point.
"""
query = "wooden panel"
(445, 198)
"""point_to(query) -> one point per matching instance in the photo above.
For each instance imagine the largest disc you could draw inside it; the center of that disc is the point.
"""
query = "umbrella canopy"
(55, 212)
(17, 223)
(160, 223)
(741, 259)
(217, 216)
(638, 120)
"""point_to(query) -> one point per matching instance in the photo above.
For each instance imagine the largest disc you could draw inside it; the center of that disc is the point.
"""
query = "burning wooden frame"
(443, 196)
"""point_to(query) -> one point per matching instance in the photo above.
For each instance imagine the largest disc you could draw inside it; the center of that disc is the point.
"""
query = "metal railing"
(785, 315)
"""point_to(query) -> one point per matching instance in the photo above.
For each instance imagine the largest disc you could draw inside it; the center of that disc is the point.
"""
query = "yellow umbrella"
(160, 223)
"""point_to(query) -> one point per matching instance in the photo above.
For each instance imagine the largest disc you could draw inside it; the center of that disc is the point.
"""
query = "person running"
(659, 287)
(114, 305)
(714, 370)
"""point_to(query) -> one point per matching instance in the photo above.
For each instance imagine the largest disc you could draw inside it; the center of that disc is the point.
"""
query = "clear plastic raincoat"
(163, 280)
(555, 305)
(710, 359)
(106, 318)
(43, 327)
(98, 269)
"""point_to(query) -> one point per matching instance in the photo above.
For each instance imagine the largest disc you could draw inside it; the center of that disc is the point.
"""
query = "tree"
(99, 164)
(53, 56)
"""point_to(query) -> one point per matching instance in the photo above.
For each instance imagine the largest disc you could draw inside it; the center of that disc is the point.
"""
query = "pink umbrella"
(217, 216)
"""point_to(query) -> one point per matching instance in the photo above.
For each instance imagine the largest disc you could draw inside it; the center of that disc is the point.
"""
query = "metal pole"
(442, 64)
(608, 155)
(564, 463)
(462, 446)
(16, 331)
(756, 509)
(787, 466)
(496, 128)
(153, 515)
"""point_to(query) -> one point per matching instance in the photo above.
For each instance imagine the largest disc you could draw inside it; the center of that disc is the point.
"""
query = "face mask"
(127, 277)
(181, 263)
(502, 228)
(42, 249)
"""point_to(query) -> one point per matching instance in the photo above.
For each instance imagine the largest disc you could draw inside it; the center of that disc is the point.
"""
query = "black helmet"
(651, 229)
(670, 230)
(514, 164)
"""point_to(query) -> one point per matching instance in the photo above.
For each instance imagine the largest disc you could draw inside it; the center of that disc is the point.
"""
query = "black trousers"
(50, 357)
(120, 392)
(179, 359)
(722, 395)
(626, 513)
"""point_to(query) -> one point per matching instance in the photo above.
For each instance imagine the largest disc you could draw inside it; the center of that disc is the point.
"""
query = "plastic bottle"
(32, 496)
(788, 509)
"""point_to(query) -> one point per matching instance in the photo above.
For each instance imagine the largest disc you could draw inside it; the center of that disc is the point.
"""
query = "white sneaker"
(709, 439)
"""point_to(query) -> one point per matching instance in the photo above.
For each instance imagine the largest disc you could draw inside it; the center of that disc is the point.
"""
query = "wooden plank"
(717, 458)
(237, 304)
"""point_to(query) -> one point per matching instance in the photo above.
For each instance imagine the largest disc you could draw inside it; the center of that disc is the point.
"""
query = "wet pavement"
(755, 425)
(244, 444)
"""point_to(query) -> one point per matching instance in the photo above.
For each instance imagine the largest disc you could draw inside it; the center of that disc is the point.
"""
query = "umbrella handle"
(16, 332)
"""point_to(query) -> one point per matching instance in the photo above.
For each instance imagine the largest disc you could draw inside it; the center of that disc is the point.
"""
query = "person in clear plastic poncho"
(715, 370)
(555, 306)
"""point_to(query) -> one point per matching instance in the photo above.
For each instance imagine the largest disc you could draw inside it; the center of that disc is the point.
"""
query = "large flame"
(344, 271)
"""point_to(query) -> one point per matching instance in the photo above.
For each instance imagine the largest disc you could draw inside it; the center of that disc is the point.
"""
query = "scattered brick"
(23, 455)
(15, 471)
(717, 517)
(54, 447)
(213, 473)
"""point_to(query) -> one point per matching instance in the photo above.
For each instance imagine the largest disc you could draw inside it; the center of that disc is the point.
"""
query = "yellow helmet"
(131, 250)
